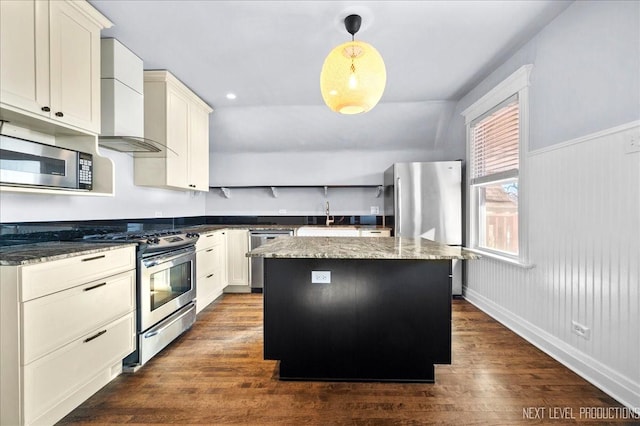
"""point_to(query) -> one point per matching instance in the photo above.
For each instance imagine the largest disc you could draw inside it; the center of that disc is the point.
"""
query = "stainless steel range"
(166, 288)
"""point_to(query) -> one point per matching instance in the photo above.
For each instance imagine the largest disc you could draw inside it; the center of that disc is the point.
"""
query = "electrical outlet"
(375, 210)
(321, 277)
(158, 214)
(282, 211)
(581, 330)
(633, 145)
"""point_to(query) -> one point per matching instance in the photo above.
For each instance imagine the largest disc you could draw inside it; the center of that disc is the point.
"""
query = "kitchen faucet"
(329, 218)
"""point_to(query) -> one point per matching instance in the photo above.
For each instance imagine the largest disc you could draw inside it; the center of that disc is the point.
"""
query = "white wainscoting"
(584, 243)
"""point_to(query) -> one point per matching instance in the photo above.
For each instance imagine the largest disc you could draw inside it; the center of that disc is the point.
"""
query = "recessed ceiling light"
(231, 96)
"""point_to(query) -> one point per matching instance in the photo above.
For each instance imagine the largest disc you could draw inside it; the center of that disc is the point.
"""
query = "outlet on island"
(321, 277)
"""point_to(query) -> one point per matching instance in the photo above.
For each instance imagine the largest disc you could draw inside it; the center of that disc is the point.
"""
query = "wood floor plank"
(215, 374)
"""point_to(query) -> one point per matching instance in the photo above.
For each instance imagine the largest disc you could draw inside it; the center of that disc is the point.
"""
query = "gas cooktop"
(149, 241)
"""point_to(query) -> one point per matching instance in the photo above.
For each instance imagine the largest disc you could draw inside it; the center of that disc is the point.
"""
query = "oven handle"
(167, 257)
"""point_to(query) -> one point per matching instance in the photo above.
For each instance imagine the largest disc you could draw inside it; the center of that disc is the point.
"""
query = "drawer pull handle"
(210, 235)
(95, 336)
(93, 258)
(209, 276)
(95, 286)
(59, 114)
(209, 250)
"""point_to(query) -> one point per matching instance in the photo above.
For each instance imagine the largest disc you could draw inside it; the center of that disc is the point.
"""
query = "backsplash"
(35, 232)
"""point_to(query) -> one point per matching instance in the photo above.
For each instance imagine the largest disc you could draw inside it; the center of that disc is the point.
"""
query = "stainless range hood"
(122, 101)
(131, 144)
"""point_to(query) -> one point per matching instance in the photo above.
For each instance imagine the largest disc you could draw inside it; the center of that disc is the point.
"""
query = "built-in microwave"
(28, 163)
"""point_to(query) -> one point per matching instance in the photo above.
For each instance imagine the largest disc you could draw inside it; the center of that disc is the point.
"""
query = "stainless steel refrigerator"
(425, 200)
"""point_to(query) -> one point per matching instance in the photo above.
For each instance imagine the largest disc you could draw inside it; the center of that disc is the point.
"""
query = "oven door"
(167, 283)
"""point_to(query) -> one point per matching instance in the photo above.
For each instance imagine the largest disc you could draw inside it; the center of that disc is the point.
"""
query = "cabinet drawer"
(208, 260)
(208, 288)
(55, 377)
(209, 239)
(52, 321)
(375, 233)
(49, 277)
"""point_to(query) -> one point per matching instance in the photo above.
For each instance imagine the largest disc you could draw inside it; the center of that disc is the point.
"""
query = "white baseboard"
(611, 382)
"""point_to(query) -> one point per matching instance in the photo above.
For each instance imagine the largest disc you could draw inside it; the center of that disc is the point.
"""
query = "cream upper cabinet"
(179, 119)
(177, 138)
(74, 66)
(24, 55)
(199, 152)
(50, 53)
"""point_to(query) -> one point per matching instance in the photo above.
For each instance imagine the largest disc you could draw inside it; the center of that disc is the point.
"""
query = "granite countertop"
(27, 254)
(210, 228)
(359, 248)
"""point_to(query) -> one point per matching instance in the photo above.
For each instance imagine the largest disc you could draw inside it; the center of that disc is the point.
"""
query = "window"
(496, 132)
(494, 162)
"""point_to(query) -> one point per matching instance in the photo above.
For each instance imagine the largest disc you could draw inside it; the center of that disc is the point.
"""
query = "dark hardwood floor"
(215, 374)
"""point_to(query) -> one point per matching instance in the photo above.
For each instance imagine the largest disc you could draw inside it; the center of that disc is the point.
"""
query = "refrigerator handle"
(398, 206)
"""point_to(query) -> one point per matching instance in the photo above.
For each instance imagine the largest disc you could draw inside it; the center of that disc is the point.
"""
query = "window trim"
(516, 83)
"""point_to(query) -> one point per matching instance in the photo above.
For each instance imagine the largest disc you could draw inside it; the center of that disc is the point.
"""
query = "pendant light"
(353, 75)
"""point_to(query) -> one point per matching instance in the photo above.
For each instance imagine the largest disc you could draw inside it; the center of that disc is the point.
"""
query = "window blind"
(494, 143)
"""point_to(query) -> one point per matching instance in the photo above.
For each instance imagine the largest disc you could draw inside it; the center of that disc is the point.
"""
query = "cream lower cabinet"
(211, 267)
(341, 231)
(375, 233)
(50, 55)
(179, 119)
(238, 275)
(66, 326)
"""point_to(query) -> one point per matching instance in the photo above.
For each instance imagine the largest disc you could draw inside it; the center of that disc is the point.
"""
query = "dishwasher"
(259, 237)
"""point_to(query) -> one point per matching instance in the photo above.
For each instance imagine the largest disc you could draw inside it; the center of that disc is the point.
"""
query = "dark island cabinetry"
(377, 320)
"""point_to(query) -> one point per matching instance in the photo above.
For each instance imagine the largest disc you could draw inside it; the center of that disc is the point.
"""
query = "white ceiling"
(270, 54)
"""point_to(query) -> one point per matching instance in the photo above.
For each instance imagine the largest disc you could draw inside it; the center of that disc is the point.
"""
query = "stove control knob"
(150, 241)
(156, 240)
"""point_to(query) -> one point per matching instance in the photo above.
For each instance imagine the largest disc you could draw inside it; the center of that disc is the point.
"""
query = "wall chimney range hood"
(122, 101)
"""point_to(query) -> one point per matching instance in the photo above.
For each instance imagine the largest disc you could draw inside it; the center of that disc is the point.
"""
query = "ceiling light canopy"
(353, 75)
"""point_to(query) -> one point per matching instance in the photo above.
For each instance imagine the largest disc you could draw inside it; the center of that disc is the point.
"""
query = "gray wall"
(581, 215)
(585, 77)
(312, 146)
(292, 201)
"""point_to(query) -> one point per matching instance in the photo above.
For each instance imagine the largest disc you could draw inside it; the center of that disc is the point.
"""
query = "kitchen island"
(361, 309)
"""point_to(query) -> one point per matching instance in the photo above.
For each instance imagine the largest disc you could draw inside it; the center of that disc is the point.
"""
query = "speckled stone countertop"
(27, 254)
(210, 228)
(358, 248)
